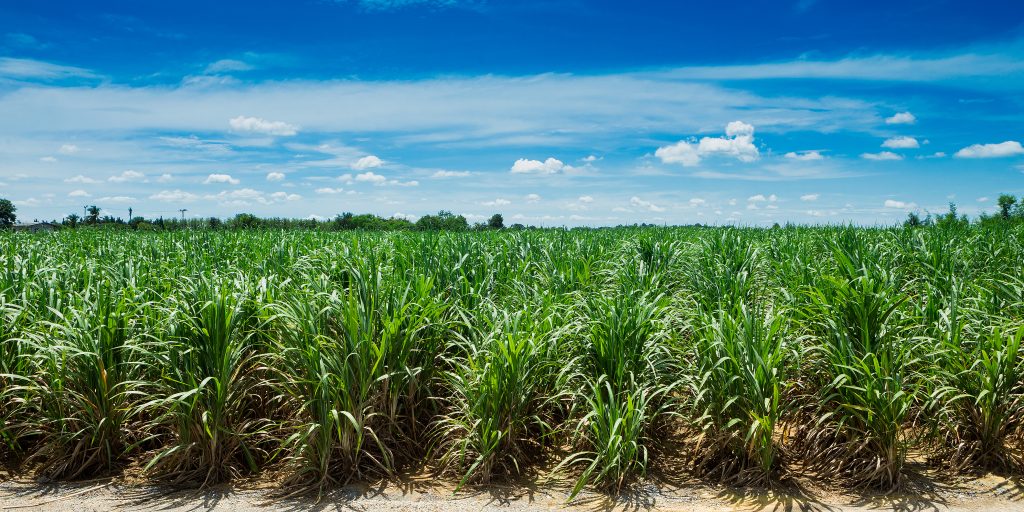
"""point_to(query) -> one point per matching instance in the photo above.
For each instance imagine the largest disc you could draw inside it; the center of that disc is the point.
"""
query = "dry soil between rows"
(425, 494)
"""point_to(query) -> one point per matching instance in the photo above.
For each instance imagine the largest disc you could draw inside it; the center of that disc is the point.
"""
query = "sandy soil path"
(988, 493)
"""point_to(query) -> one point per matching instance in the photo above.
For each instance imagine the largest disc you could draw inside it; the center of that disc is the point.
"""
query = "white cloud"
(48, 159)
(174, 196)
(329, 190)
(891, 203)
(497, 202)
(220, 178)
(805, 155)
(262, 126)
(1002, 149)
(68, 149)
(697, 201)
(590, 158)
(116, 199)
(284, 196)
(367, 162)
(450, 174)
(164, 178)
(371, 177)
(549, 166)
(532, 198)
(39, 70)
(640, 203)
(80, 179)
(759, 198)
(227, 66)
(884, 155)
(585, 199)
(275, 176)
(983, 199)
(738, 143)
(809, 197)
(901, 142)
(127, 176)
(901, 118)
(79, 193)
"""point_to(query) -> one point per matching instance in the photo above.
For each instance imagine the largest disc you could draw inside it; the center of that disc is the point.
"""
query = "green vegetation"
(324, 357)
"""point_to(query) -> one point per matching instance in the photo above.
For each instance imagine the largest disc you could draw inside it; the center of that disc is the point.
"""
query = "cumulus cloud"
(900, 205)
(738, 143)
(80, 179)
(983, 199)
(805, 155)
(68, 149)
(497, 202)
(1002, 149)
(174, 196)
(262, 126)
(901, 118)
(367, 162)
(549, 166)
(450, 174)
(285, 196)
(371, 177)
(164, 178)
(809, 197)
(884, 155)
(585, 199)
(697, 201)
(901, 142)
(329, 190)
(275, 176)
(647, 205)
(127, 176)
(221, 178)
(532, 198)
(78, 193)
(590, 158)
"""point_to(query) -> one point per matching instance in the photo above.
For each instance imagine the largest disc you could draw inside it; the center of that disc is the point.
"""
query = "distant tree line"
(442, 221)
(1010, 210)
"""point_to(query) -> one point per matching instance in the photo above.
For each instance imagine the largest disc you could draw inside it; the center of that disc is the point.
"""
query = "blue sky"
(552, 113)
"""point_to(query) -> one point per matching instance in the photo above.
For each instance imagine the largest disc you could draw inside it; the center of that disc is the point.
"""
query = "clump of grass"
(739, 381)
(351, 367)
(207, 386)
(867, 384)
(86, 385)
(983, 400)
(500, 395)
(622, 382)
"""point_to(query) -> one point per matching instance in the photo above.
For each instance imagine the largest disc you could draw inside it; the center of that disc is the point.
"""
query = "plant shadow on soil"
(669, 484)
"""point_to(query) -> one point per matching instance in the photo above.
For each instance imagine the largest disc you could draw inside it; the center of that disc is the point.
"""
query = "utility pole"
(183, 210)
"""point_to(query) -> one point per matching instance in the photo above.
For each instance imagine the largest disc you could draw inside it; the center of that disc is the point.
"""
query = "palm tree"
(94, 214)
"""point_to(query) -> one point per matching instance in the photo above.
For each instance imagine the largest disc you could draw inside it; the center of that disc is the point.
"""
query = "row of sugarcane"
(330, 358)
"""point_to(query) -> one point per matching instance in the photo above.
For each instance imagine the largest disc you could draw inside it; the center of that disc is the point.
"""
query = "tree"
(913, 220)
(443, 221)
(72, 220)
(93, 214)
(496, 221)
(1006, 202)
(7, 216)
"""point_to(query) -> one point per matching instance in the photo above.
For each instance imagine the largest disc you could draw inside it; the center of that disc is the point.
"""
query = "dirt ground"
(426, 494)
